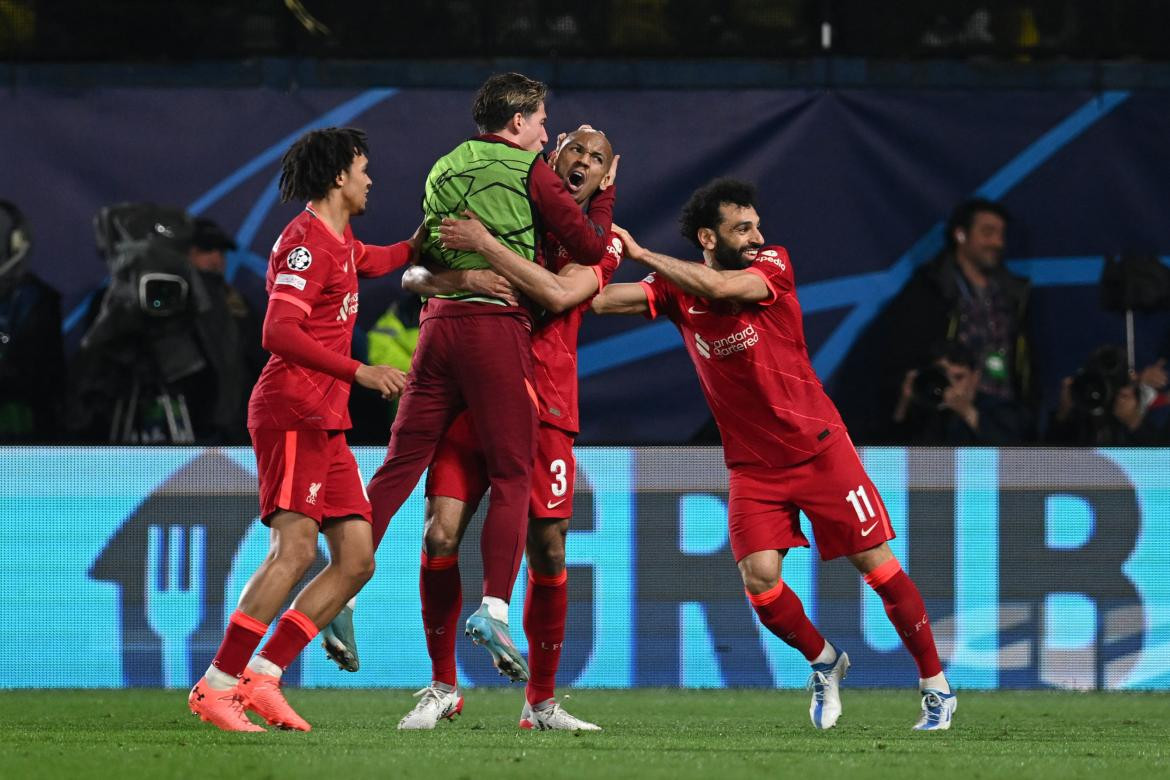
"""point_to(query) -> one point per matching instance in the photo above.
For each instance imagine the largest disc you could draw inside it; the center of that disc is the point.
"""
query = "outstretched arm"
(555, 292)
(381, 260)
(430, 280)
(622, 299)
(697, 278)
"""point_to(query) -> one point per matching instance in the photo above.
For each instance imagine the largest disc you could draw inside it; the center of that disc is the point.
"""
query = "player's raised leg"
(782, 613)
(495, 380)
(441, 593)
(906, 610)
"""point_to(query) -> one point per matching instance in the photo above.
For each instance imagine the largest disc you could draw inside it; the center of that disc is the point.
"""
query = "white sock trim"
(262, 665)
(218, 679)
(497, 608)
(937, 683)
(828, 655)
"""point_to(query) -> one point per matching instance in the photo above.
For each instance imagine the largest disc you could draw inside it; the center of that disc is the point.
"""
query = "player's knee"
(440, 541)
(548, 563)
(361, 570)
(294, 557)
(757, 583)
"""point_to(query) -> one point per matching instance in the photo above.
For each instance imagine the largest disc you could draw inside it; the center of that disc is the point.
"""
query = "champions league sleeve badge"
(299, 259)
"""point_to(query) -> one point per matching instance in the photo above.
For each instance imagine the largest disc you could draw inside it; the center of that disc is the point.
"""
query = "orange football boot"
(261, 694)
(220, 708)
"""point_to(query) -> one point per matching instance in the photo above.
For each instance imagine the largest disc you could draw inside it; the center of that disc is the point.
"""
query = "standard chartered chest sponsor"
(726, 346)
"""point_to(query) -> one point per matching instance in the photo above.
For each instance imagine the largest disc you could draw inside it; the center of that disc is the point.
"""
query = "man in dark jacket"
(32, 356)
(965, 296)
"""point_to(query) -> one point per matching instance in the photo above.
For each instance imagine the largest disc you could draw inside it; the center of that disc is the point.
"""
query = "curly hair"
(503, 96)
(702, 210)
(310, 167)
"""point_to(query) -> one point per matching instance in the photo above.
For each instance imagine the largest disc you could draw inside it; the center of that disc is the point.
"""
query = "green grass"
(648, 734)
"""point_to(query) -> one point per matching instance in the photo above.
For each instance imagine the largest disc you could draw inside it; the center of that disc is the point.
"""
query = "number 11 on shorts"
(857, 498)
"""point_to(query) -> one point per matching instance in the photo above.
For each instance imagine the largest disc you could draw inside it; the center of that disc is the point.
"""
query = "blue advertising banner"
(855, 183)
(1040, 568)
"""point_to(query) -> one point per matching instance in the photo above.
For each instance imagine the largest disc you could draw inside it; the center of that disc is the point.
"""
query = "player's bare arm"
(621, 299)
(698, 278)
(555, 292)
(427, 280)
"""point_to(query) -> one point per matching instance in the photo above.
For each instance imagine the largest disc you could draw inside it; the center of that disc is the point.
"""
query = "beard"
(730, 257)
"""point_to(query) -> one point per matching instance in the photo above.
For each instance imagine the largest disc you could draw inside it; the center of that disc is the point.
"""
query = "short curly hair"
(702, 210)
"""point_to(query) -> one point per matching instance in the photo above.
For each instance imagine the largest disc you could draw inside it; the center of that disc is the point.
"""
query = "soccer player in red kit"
(457, 479)
(783, 440)
(474, 351)
(298, 415)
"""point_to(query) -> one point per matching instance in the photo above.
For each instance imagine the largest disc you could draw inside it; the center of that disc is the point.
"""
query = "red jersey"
(753, 366)
(554, 342)
(316, 270)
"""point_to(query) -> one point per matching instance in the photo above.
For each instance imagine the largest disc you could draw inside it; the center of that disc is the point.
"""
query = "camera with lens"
(154, 293)
(1095, 385)
(930, 384)
(145, 336)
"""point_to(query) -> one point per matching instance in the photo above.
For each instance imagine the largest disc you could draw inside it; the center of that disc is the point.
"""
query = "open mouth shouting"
(575, 180)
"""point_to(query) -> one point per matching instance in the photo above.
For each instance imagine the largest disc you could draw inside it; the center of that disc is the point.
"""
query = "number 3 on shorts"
(857, 498)
(559, 484)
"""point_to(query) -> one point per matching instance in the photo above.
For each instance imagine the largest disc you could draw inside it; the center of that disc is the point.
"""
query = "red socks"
(241, 639)
(782, 613)
(906, 611)
(545, 607)
(442, 599)
(293, 633)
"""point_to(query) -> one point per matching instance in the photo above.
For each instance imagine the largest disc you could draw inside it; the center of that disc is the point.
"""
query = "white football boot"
(434, 705)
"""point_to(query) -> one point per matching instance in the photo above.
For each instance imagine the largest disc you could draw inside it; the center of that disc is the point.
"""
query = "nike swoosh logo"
(866, 531)
(693, 310)
(555, 504)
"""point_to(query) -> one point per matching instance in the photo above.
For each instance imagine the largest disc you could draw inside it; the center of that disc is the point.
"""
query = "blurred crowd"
(216, 29)
(171, 349)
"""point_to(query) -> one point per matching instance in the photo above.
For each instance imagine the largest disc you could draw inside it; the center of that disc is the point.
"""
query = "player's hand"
(490, 283)
(386, 380)
(416, 240)
(468, 235)
(610, 175)
(552, 157)
(632, 249)
(1154, 375)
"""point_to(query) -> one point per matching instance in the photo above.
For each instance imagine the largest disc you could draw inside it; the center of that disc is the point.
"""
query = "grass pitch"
(648, 734)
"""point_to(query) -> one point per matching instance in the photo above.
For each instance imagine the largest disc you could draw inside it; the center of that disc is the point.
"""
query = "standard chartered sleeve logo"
(740, 341)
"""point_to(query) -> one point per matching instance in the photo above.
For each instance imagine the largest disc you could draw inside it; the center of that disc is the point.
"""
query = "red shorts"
(309, 472)
(458, 470)
(840, 500)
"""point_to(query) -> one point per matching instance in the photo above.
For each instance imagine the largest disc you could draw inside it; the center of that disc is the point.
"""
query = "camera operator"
(941, 404)
(163, 358)
(1107, 404)
(230, 336)
(32, 356)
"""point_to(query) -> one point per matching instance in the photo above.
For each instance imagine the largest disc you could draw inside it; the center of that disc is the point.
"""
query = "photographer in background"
(941, 404)
(32, 356)
(964, 296)
(230, 336)
(1107, 404)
